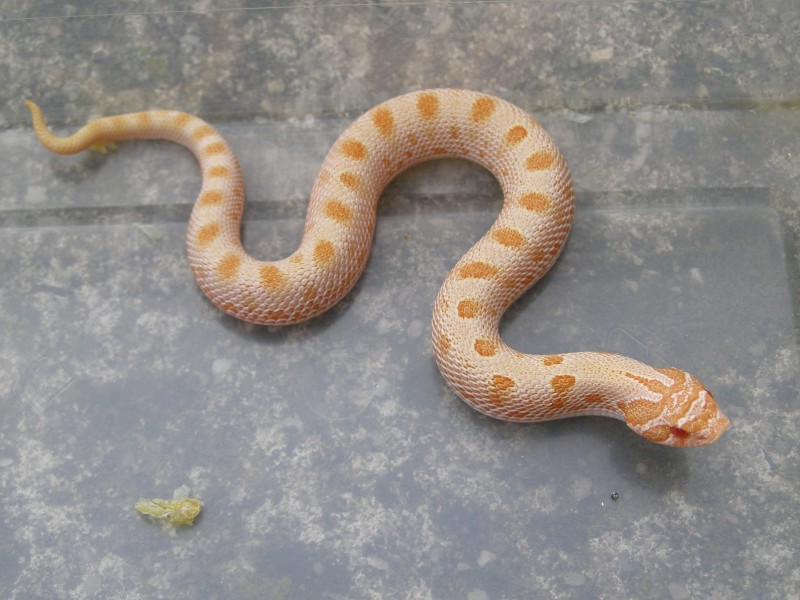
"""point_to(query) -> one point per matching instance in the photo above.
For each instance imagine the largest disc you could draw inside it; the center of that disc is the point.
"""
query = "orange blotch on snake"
(349, 180)
(207, 234)
(501, 389)
(218, 171)
(455, 133)
(117, 122)
(639, 412)
(271, 277)
(354, 149)
(482, 109)
(552, 360)
(215, 148)
(652, 385)
(337, 211)
(181, 119)
(384, 121)
(562, 383)
(202, 131)
(428, 105)
(211, 197)
(508, 237)
(144, 118)
(228, 267)
(323, 252)
(539, 160)
(545, 254)
(593, 398)
(658, 434)
(468, 309)
(516, 134)
(486, 347)
(535, 202)
(477, 270)
(676, 375)
(442, 344)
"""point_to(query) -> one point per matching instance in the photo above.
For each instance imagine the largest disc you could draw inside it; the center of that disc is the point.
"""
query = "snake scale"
(666, 405)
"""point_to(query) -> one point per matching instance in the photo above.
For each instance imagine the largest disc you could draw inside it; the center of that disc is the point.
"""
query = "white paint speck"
(696, 275)
(220, 367)
(577, 117)
(631, 285)
(385, 325)
(182, 491)
(485, 558)
(35, 194)
(416, 328)
(678, 591)
(477, 595)
(601, 55)
(377, 563)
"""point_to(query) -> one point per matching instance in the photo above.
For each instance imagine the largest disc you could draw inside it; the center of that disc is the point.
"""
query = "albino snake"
(667, 406)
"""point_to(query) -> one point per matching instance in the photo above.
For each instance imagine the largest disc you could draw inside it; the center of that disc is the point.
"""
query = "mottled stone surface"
(332, 460)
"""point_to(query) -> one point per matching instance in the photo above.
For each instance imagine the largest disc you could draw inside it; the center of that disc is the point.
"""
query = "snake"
(663, 405)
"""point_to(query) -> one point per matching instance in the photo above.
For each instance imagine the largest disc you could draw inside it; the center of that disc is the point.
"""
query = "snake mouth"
(682, 438)
(703, 430)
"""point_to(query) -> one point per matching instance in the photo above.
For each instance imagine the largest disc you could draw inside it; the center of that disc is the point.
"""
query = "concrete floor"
(332, 459)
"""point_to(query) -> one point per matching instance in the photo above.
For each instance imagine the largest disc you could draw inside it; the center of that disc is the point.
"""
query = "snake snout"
(696, 420)
(687, 416)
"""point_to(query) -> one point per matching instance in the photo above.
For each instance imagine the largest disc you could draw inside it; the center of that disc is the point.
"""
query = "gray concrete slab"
(332, 459)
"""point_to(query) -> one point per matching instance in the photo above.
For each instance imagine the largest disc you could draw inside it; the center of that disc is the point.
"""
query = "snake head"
(686, 416)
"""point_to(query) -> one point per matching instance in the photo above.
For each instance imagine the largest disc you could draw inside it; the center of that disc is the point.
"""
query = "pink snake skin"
(666, 405)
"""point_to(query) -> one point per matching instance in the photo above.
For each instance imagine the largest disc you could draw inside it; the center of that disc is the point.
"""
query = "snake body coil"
(666, 406)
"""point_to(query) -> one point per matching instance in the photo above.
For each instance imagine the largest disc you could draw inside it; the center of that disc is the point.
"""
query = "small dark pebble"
(615, 495)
